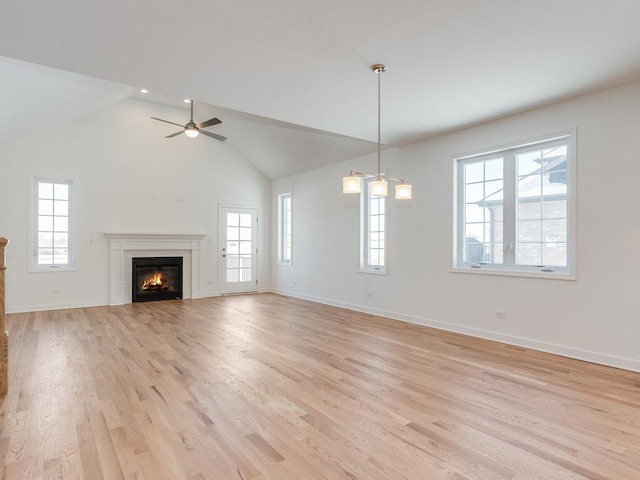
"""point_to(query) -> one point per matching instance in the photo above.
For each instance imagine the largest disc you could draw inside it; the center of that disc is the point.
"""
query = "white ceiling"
(300, 69)
(32, 96)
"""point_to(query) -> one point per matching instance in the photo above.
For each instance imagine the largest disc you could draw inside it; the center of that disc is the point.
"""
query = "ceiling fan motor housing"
(193, 129)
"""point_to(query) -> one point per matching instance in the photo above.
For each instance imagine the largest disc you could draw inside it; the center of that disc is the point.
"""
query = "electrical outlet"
(500, 314)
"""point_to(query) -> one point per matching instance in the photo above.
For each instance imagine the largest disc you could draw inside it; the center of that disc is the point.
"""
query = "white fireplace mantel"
(126, 245)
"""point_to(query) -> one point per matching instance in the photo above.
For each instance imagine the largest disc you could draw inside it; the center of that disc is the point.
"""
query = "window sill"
(514, 273)
(372, 271)
(50, 269)
(285, 264)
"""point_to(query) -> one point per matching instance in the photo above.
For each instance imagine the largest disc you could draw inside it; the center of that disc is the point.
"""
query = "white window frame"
(34, 266)
(365, 230)
(510, 268)
(285, 229)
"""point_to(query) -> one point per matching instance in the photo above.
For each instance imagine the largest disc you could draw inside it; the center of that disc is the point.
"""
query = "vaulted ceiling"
(291, 79)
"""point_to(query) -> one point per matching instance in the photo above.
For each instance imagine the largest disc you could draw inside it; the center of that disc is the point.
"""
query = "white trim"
(515, 270)
(128, 242)
(365, 224)
(486, 270)
(82, 304)
(221, 271)
(572, 230)
(58, 306)
(154, 236)
(547, 347)
(281, 229)
(51, 269)
(373, 270)
(32, 265)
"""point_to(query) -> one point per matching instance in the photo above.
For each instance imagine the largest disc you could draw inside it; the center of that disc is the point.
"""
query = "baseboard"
(554, 348)
(205, 294)
(57, 306)
(94, 303)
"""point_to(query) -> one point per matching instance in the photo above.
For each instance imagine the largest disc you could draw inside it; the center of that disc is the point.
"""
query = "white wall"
(127, 179)
(596, 317)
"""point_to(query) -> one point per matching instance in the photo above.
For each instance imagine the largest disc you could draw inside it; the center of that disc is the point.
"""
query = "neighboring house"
(541, 219)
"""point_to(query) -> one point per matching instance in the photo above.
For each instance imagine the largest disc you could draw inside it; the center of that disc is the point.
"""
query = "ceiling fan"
(192, 129)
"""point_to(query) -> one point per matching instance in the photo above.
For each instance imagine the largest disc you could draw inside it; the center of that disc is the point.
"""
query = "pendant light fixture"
(352, 183)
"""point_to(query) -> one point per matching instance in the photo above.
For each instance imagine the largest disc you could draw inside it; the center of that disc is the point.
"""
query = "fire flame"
(156, 281)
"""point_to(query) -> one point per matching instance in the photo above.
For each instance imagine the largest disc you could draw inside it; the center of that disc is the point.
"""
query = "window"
(52, 223)
(372, 244)
(285, 229)
(514, 209)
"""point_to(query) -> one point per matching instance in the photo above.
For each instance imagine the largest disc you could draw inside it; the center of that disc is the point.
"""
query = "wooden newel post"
(4, 338)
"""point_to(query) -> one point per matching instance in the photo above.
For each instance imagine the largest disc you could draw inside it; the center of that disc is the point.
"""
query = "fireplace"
(156, 278)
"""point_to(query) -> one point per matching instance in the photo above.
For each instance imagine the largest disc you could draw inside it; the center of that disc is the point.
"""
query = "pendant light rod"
(378, 69)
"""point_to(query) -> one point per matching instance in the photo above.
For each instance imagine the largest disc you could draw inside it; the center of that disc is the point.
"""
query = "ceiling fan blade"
(174, 134)
(208, 123)
(213, 135)
(167, 121)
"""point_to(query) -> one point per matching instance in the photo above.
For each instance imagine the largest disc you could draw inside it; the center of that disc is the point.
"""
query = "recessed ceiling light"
(144, 90)
(186, 100)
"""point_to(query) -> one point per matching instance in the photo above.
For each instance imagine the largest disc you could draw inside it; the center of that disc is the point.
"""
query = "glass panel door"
(239, 250)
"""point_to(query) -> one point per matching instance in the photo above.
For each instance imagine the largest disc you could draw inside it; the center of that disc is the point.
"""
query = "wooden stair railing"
(4, 336)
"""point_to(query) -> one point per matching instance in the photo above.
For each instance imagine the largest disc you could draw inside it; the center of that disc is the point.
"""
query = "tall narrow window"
(285, 229)
(52, 223)
(372, 245)
(514, 209)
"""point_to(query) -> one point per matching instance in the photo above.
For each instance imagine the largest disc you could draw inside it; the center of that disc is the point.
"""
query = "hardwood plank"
(265, 387)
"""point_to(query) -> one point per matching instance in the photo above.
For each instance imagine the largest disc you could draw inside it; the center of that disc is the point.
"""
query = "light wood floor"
(268, 387)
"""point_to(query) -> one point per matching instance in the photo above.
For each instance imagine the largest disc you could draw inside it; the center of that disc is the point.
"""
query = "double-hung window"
(372, 242)
(514, 210)
(52, 223)
(285, 229)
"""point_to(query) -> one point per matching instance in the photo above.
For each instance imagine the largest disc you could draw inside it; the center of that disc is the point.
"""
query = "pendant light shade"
(403, 191)
(379, 188)
(351, 184)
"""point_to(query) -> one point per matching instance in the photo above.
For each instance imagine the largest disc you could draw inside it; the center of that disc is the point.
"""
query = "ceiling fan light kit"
(352, 183)
(192, 129)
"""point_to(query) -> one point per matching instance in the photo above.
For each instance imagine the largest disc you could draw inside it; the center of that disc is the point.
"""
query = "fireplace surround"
(125, 246)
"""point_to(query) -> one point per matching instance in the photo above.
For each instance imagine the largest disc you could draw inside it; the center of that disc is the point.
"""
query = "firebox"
(156, 278)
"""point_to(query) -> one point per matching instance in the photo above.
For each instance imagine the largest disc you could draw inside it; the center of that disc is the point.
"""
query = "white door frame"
(222, 234)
